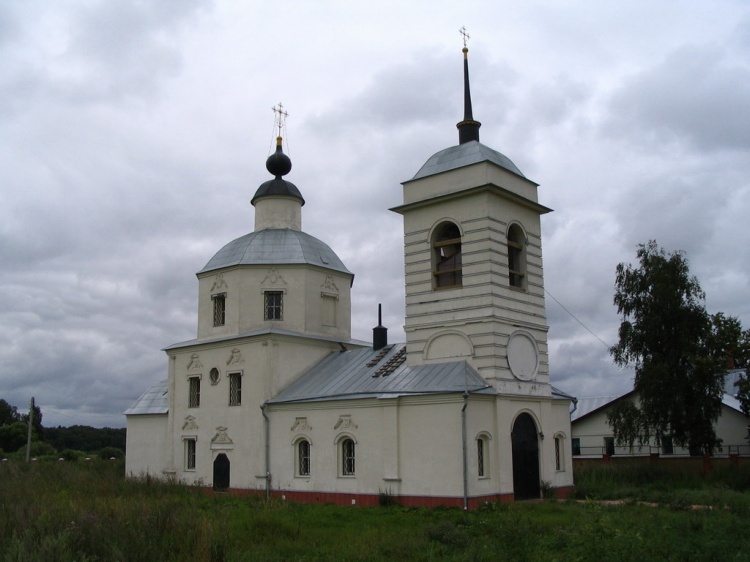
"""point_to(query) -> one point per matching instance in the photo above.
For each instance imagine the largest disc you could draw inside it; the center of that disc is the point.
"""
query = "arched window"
(347, 457)
(303, 458)
(559, 453)
(483, 455)
(446, 256)
(517, 257)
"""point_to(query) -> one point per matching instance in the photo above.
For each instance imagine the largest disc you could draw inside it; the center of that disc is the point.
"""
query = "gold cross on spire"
(465, 34)
(281, 116)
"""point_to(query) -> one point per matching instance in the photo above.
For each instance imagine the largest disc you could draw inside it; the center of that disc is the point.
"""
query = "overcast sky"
(134, 134)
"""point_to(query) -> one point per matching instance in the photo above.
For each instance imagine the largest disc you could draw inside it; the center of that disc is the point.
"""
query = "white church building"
(274, 397)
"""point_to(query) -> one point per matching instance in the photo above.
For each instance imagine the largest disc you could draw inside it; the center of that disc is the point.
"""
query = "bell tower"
(473, 263)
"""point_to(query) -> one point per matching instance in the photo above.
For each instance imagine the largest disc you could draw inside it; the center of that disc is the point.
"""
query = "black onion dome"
(279, 165)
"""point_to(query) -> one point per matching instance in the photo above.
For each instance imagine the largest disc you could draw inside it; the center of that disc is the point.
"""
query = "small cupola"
(278, 202)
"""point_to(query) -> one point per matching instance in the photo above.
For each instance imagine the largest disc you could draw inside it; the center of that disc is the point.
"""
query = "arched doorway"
(525, 458)
(221, 472)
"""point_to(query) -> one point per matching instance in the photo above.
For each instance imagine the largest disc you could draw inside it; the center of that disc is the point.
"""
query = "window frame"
(235, 392)
(219, 301)
(302, 458)
(190, 453)
(483, 455)
(517, 259)
(446, 277)
(560, 453)
(276, 309)
(609, 446)
(347, 449)
(194, 394)
(575, 445)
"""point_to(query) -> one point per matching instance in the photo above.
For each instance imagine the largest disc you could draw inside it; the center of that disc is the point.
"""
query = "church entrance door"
(525, 458)
(221, 472)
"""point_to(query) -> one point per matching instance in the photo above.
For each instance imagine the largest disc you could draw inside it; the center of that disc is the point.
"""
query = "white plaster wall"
(268, 365)
(146, 444)
(302, 285)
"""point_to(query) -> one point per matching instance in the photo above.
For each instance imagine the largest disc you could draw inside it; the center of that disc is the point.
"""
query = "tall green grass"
(89, 512)
(725, 486)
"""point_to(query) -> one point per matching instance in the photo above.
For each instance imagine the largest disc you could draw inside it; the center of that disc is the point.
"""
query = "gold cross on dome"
(465, 34)
(280, 116)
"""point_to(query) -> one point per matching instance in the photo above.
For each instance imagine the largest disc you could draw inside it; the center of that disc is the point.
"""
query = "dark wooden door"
(221, 472)
(525, 458)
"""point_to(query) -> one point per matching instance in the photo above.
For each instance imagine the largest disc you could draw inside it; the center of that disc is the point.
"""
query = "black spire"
(468, 129)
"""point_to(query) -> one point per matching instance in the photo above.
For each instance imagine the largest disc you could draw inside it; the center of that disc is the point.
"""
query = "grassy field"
(88, 511)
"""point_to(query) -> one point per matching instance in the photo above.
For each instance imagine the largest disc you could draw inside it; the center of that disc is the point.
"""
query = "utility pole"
(28, 438)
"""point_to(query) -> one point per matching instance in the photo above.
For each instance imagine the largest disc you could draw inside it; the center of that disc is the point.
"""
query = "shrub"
(107, 453)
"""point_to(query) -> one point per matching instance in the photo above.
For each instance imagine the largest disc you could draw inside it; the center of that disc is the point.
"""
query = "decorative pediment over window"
(345, 422)
(221, 440)
(219, 283)
(195, 362)
(235, 358)
(300, 424)
(329, 286)
(189, 424)
(273, 277)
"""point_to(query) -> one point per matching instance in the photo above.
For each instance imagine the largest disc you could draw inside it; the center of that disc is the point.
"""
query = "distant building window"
(189, 454)
(559, 454)
(194, 392)
(273, 305)
(446, 256)
(303, 458)
(235, 389)
(609, 446)
(516, 257)
(347, 457)
(220, 303)
(576, 442)
(667, 447)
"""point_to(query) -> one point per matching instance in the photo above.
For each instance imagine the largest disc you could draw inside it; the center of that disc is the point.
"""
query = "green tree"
(678, 350)
(8, 414)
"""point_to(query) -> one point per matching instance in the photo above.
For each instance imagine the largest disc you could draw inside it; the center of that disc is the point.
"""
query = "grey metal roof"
(365, 373)
(275, 246)
(153, 401)
(462, 155)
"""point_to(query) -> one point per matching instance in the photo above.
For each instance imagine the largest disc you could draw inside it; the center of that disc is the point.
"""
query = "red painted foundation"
(370, 500)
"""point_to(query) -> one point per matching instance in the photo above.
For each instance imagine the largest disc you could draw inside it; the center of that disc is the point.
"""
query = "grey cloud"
(697, 95)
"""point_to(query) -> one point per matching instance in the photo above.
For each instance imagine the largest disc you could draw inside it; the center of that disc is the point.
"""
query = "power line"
(573, 316)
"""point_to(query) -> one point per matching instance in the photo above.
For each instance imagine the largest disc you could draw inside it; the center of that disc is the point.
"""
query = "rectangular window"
(273, 305)
(667, 447)
(194, 392)
(235, 389)
(558, 453)
(609, 446)
(480, 457)
(219, 308)
(576, 446)
(189, 454)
